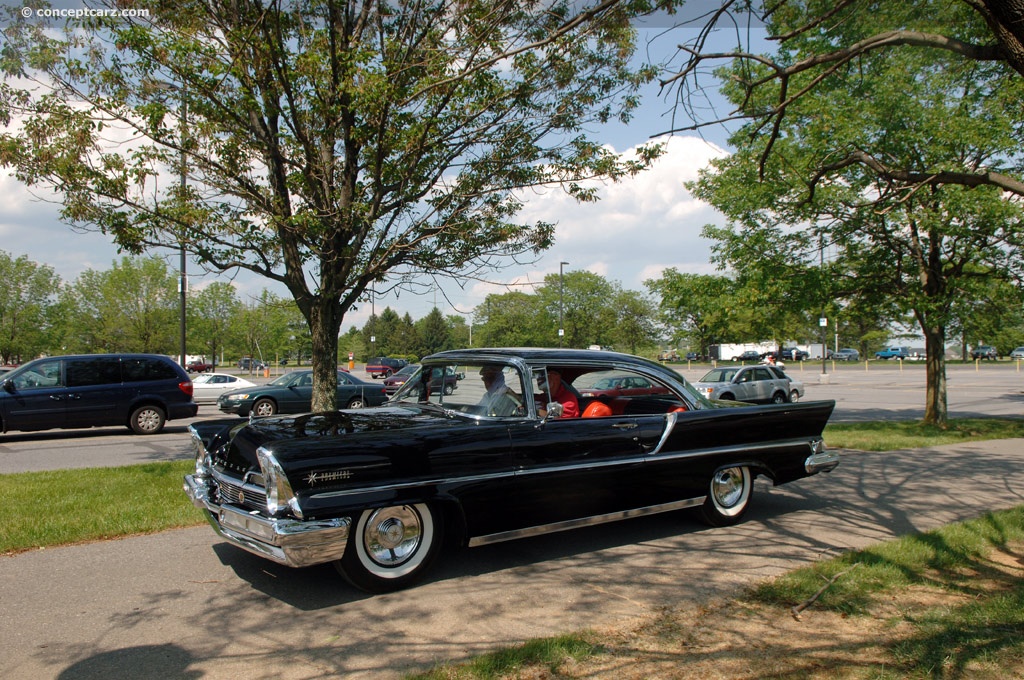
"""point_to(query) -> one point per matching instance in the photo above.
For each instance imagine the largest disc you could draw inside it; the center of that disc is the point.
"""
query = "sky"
(641, 226)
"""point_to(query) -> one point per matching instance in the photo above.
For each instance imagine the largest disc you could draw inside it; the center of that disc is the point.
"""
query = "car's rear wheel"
(264, 407)
(391, 548)
(794, 396)
(728, 496)
(779, 398)
(449, 388)
(147, 419)
(356, 402)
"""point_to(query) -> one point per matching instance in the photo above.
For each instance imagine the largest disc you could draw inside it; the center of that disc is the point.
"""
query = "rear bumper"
(292, 542)
(822, 460)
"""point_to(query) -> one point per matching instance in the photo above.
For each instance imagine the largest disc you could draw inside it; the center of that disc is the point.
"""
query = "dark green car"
(293, 393)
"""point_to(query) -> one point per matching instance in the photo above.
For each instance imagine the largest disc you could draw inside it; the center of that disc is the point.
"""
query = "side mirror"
(8, 385)
(554, 410)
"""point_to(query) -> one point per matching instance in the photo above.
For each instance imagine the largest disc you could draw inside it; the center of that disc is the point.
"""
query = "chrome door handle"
(625, 426)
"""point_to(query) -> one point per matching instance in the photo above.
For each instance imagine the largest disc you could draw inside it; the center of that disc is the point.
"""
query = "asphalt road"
(181, 604)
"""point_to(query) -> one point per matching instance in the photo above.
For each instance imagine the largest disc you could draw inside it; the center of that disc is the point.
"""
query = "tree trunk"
(325, 319)
(935, 412)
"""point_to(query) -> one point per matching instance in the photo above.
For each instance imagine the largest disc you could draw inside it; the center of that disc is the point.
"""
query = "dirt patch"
(740, 640)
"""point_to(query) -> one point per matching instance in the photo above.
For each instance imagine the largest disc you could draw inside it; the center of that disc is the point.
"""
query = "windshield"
(719, 375)
(490, 390)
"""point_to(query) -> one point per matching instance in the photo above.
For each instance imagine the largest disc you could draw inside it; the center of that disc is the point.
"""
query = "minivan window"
(44, 375)
(95, 371)
(143, 369)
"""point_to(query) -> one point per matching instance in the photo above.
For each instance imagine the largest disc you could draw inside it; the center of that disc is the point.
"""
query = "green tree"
(27, 297)
(434, 333)
(636, 321)
(910, 238)
(695, 307)
(513, 319)
(211, 315)
(329, 145)
(131, 307)
(585, 302)
(821, 41)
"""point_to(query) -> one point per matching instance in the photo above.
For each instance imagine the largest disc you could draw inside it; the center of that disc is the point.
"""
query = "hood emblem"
(314, 478)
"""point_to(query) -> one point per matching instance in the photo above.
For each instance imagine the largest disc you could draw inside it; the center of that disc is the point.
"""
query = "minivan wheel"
(147, 419)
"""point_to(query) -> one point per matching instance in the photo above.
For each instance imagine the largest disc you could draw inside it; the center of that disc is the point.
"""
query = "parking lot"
(881, 391)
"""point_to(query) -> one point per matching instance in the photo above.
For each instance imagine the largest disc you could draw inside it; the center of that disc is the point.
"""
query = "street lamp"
(561, 292)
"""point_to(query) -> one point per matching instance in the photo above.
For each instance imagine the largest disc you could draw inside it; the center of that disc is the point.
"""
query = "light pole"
(561, 293)
(183, 182)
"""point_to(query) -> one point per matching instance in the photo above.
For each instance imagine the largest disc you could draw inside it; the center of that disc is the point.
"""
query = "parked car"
(1017, 353)
(139, 391)
(792, 354)
(796, 387)
(250, 364)
(846, 354)
(893, 353)
(376, 492)
(392, 384)
(668, 355)
(293, 393)
(747, 383)
(208, 387)
(748, 355)
(197, 366)
(692, 356)
(984, 352)
(616, 384)
(384, 367)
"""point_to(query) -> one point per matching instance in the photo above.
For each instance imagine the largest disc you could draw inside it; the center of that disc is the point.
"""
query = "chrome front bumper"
(296, 543)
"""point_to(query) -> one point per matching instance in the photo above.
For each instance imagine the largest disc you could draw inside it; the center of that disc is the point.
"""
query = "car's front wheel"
(264, 407)
(728, 496)
(390, 548)
(147, 419)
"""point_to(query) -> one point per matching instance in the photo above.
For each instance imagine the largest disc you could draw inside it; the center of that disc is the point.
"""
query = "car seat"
(597, 409)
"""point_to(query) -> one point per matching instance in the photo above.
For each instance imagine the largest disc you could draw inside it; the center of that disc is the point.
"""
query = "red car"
(621, 386)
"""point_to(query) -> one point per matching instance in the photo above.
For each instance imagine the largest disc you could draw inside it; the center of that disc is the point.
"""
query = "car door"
(37, 397)
(297, 397)
(573, 468)
(94, 391)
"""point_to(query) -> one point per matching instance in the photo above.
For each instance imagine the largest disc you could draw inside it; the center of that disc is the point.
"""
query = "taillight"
(186, 387)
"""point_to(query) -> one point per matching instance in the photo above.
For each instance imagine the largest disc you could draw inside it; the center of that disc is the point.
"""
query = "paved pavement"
(181, 604)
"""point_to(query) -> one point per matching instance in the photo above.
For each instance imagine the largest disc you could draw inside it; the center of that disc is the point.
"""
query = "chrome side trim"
(590, 465)
(291, 542)
(583, 522)
(670, 424)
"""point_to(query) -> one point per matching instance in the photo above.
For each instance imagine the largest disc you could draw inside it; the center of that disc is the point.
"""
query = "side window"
(143, 369)
(44, 375)
(94, 371)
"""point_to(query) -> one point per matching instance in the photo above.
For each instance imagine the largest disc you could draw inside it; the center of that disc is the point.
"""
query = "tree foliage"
(27, 295)
(329, 145)
(911, 241)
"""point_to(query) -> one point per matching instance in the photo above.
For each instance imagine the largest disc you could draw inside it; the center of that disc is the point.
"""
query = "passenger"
(499, 400)
(561, 394)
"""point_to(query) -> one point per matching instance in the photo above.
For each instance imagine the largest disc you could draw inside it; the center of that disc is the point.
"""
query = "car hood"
(315, 439)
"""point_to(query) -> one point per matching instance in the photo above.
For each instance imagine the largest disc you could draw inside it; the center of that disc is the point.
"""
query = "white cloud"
(640, 226)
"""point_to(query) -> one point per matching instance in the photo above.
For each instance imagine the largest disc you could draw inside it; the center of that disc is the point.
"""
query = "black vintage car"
(374, 490)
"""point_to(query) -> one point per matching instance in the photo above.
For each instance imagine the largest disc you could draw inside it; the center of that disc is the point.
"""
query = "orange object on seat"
(677, 409)
(597, 410)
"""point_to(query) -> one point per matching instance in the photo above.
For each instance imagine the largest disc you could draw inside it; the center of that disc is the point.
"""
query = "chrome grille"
(248, 496)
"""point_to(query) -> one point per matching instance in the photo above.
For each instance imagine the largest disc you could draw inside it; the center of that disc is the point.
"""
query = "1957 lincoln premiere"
(375, 490)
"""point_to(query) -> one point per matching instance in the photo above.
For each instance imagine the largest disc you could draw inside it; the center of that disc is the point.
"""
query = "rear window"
(146, 368)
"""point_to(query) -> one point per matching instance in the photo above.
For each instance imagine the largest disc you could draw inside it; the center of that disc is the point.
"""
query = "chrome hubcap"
(727, 487)
(392, 535)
